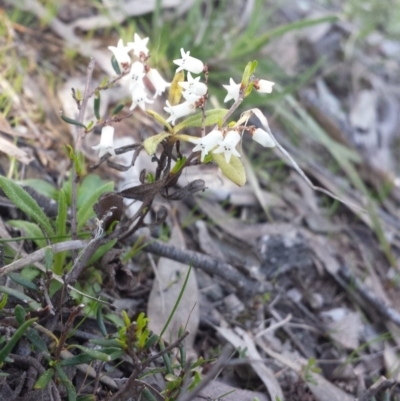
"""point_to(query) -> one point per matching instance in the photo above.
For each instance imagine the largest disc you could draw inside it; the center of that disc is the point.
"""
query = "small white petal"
(189, 63)
(228, 145)
(178, 111)
(121, 54)
(157, 81)
(139, 98)
(263, 138)
(265, 86)
(233, 91)
(106, 144)
(192, 85)
(139, 46)
(207, 143)
(136, 75)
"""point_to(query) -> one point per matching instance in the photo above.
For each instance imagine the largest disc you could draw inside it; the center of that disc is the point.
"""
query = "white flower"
(106, 144)
(263, 138)
(121, 54)
(263, 86)
(179, 110)
(157, 81)
(139, 46)
(233, 91)
(136, 75)
(207, 143)
(192, 98)
(139, 98)
(228, 145)
(194, 86)
(189, 63)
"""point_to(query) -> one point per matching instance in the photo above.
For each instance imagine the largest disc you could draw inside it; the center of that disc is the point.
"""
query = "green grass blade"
(5, 351)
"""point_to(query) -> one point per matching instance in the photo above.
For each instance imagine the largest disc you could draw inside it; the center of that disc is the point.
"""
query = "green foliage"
(23, 201)
(150, 144)
(44, 379)
(72, 121)
(11, 343)
(175, 90)
(309, 369)
(233, 170)
(115, 65)
(160, 119)
(196, 120)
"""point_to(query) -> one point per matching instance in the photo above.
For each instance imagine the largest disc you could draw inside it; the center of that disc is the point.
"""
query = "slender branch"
(40, 254)
(211, 266)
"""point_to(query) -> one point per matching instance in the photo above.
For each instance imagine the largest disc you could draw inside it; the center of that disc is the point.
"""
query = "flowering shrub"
(185, 107)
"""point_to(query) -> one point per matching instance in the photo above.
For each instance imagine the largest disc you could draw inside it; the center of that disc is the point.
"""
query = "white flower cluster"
(194, 92)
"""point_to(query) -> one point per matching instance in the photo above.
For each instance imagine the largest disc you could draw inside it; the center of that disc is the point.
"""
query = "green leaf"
(117, 109)
(41, 186)
(150, 144)
(86, 397)
(89, 184)
(115, 65)
(61, 230)
(72, 121)
(48, 258)
(178, 165)
(104, 82)
(100, 252)
(234, 170)
(71, 392)
(3, 301)
(85, 212)
(78, 160)
(20, 314)
(22, 281)
(30, 230)
(248, 72)
(96, 105)
(77, 360)
(175, 90)
(44, 379)
(23, 201)
(196, 120)
(33, 305)
(160, 119)
(12, 342)
(101, 356)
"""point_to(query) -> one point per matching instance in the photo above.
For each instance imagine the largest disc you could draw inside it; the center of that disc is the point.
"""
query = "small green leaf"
(148, 396)
(30, 230)
(71, 392)
(44, 379)
(178, 165)
(22, 281)
(175, 90)
(101, 356)
(107, 342)
(100, 252)
(41, 186)
(48, 258)
(104, 82)
(248, 90)
(96, 106)
(248, 72)
(115, 65)
(77, 360)
(86, 397)
(12, 342)
(78, 160)
(160, 119)
(3, 301)
(61, 230)
(196, 120)
(152, 340)
(72, 121)
(85, 211)
(33, 305)
(234, 170)
(20, 314)
(150, 144)
(117, 109)
(23, 201)
(100, 321)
